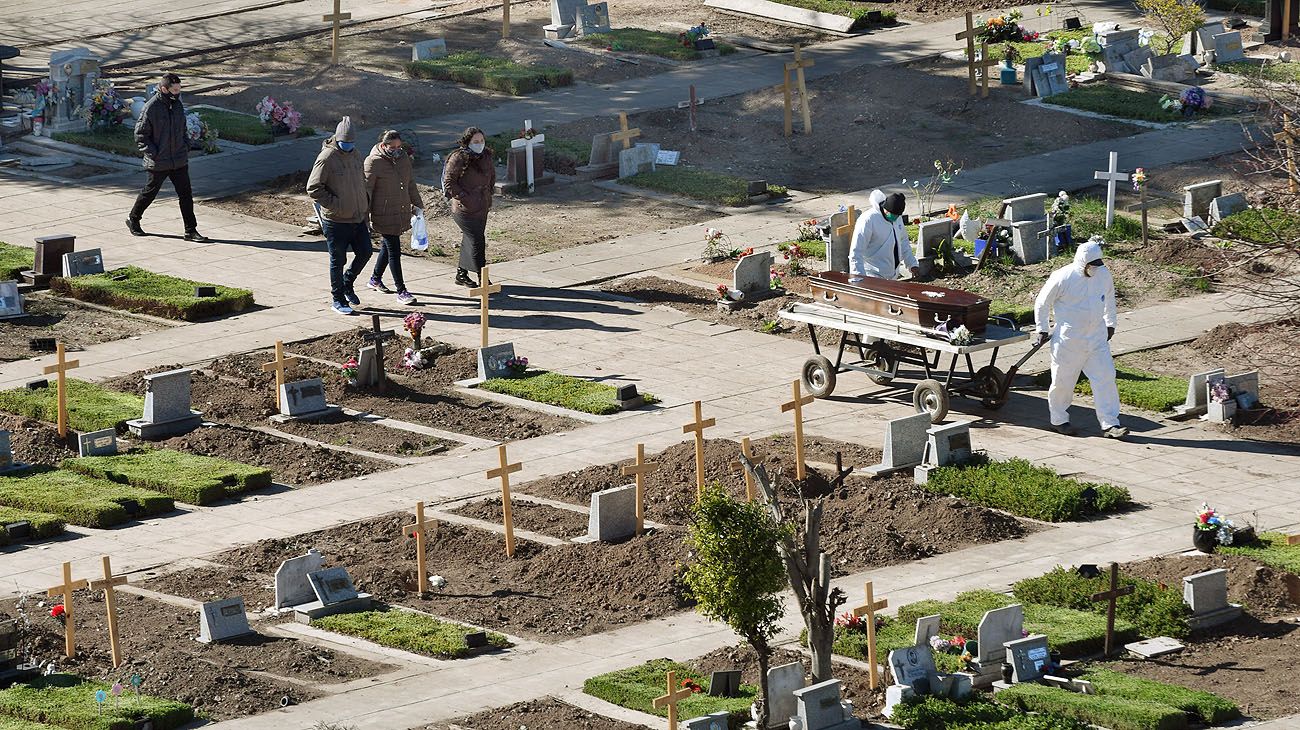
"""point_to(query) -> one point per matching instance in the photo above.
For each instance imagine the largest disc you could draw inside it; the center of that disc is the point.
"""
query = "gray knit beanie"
(343, 132)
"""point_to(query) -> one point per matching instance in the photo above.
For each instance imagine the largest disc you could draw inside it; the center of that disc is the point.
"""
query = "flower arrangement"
(413, 323)
(692, 685)
(722, 290)
(1207, 519)
(737, 253)
(1060, 210)
(1220, 391)
(1139, 179)
(349, 369)
(961, 336)
(277, 114)
(200, 133)
(528, 133)
(105, 108)
(856, 624)
(1091, 46)
(776, 282)
(715, 244)
(59, 613)
(413, 359)
(809, 230)
(1193, 99)
(688, 37)
(1063, 46)
(517, 365)
(795, 254)
(957, 646)
(1004, 28)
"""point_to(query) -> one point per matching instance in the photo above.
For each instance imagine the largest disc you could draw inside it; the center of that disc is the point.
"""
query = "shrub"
(933, 713)
(1156, 611)
(1211, 708)
(1271, 549)
(69, 702)
(79, 499)
(188, 478)
(136, 290)
(1022, 488)
(487, 72)
(636, 687)
(14, 259)
(43, 524)
(409, 631)
(90, 407)
(1259, 225)
(1116, 713)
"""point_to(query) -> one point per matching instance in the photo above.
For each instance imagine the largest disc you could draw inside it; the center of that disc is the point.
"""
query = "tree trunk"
(764, 659)
(821, 639)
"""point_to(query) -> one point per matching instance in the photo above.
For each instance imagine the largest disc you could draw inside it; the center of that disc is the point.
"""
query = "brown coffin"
(906, 302)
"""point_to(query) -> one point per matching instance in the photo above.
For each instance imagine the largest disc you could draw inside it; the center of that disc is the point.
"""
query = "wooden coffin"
(906, 302)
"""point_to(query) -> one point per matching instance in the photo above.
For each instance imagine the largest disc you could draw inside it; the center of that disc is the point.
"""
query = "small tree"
(1173, 19)
(737, 575)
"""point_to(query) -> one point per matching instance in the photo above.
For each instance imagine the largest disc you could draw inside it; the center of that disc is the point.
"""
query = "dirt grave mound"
(37, 442)
(290, 462)
(544, 713)
(1258, 587)
(541, 518)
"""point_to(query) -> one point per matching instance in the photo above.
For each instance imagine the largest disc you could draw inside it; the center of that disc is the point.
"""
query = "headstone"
(11, 302)
(332, 585)
(1197, 198)
(1049, 76)
(1138, 58)
(292, 586)
(931, 236)
(1165, 68)
(782, 682)
(1115, 45)
(1226, 205)
(82, 263)
(492, 360)
(837, 250)
(602, 150)
(593, 18)
(1029, 241)
(753, 274)
(1026, 208)
(9, 640)
(49, 258)
(947, 444)
(97, 443)
(926, 626)
(1196, 401)
(997, 628)
(166, 406)
(905, 440)
(1151, 648)
(430, 49)
(638, 159)
(1207, 595)
(517, 165)
(304, 399)
(1027, 82)
(565, 12)
(715, 721)
(367, 367)
(223, 620)
(819, 707)
(1202, 39)
(1028, 658)
(613, 514)
(724, 683)
(668, 157)
(557, 32)
(74, 71)
(7, 463)
(914, 667)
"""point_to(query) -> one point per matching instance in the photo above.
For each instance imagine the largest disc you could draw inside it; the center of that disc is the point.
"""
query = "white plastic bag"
(419, 232)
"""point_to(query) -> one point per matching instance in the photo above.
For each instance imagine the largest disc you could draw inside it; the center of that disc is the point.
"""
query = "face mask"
(393, 151)
(346, 146)
(891, 217)
(477, 147)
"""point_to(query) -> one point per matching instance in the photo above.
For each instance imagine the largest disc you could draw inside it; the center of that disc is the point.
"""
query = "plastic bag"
(419, 232)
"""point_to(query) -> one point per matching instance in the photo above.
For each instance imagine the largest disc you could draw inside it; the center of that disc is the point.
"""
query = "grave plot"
(137, 290)
(67, 321)
(531, 516)
(543, 713)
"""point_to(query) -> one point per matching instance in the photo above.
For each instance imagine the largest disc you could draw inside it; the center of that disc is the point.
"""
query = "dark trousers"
(341, 238)
(473, 242)
(390, 253)
(180, 178)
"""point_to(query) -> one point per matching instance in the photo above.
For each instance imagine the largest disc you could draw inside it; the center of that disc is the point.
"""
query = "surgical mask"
(891, 217)
(345, 146)
(393, 151)
(477, 147)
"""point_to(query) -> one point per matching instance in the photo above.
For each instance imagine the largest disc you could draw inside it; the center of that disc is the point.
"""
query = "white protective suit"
(878, 247)
(1083, 307)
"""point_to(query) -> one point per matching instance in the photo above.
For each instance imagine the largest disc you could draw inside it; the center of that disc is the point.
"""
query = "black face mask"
(169, 97)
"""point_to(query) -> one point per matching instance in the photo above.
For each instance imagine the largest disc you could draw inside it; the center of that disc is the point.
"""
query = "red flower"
(58, 611)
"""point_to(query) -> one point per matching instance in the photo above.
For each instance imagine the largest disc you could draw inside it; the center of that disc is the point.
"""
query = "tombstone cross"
(983, 64)
(419, 529)
(377, 336)
(796, 405)
(503, 472)
(968, 35)
(62, 366)
(107, 584)
(1111, 177)
(485, 289)
(691, 104)
(624, 134)
(671, 699)
(640, 469)
(746, 452)
(697, 427)
(528, 144)
(505, 18)
(336, 19)
(1112, 595)
(797, 66)
(69, 626)
(850, 220)
(869, 609)
(1287, 138)
(280, 365)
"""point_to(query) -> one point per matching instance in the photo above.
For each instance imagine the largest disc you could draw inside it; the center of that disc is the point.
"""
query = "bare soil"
(224, 681)
(1258, 587)
(547, 712)
(855, 683)
(290, 462)
(37, 442)
(559, 523)
(77, 327)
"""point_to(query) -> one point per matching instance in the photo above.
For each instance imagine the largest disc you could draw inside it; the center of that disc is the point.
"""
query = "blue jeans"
(340, 238)
(390, 255)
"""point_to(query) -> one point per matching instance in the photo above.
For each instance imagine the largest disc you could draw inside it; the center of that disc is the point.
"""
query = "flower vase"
(1204, 540)
(352, 382)
(38, 125)
(1008, 72)
(279, 129)
(1221, 412)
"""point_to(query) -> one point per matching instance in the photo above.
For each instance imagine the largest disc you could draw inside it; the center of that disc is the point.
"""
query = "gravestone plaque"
(1202, 39)
(11, 302)
(926, 626)
(1139, 57)
(931, 236)
(1197, 198)
(716, 721)
(82, 263)
(668, 157)
(492, 360)
(1226, 205)
(1115, 44)
(1028, 657)
(1027, 82)
(593, 18)
(1026, 208)
(332, 585)
(914, 667)
(1151, 648)
(905, 440)
(1227, 47)
(7, 463)
(166, 406)
(367, 367)
(97, 443)
(724, 683)
(837, 251)
(428, 50)
(782, 682)
(819, 707)
(949, 443)
(638, 159)
(565, 12)
(603, 150)
(517, 165)
(753, 274)
(223, 620)
(304, 398)
(1207, 595)
(291, 584)
(613, 514)
(1166, 68)
(997, 628)
(1049, 76)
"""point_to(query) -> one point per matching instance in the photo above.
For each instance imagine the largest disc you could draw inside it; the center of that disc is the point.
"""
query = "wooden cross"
(983, 64)
(797, 66)
(796, 405)
(419, 529)
(640, 469)
(1286, 23)
(671, 699)
(749, 477)
(505, 18)
(485, 289)
(376, 336)
(528, 144)
(1287, 138)
(336, 19)
(869, 609)
(624, 134)
(697, 426)
(1112, 595)
(62, 366)
(968, 35)
(691, 103)
(106, 585)
(280, 365)
(69, 626)
(1111, 176)
(851, 220)
(993, 225)
(503, 472)
(1142, 206)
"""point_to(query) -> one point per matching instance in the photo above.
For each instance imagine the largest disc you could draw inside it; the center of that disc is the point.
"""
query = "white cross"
(528, 143)
(1111, 177)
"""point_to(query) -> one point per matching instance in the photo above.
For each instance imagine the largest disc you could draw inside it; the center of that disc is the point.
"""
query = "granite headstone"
(492, 360)
(905, 440)
(223, 620)
(292, 586)
(97, 443)
(428, 50)
(166, 406)
(613, 514)
(83, 263)
(753, 274)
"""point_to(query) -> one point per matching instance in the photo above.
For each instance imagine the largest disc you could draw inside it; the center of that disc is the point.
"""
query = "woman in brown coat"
(468, 179)
(393, 199)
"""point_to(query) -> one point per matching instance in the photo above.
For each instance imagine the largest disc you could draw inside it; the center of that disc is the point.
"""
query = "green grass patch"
(1074, 62)
(90, 407)
(1260, 225)
(1271, 549)
(188, 478)
(1123, 103)
(558, 154)
(409, 631)
(711, 187)
(1109, 711)
(650, 43)
(81, 500)
(636, 687)
(1144, 390)
(815, 249)
(1282, 72)
(118, 139)
(43, 524)
(1020, 313)
(488, 72)
(934, 713)
(1210, 708)
(236, 126)
(1154, 610)
(136, 290)
(1088, 217)
(561, 390)
(847, 8)
(14, 723)
(65, 701)
(14, 259)
(1024, 489)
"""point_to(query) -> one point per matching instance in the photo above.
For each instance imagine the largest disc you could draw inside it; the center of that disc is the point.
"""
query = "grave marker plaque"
(11, 302)
(223, 620)
(97, 443)
(83, 263)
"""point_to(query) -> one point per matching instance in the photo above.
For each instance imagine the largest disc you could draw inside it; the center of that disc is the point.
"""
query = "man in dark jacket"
(160, 134)
(337, 184)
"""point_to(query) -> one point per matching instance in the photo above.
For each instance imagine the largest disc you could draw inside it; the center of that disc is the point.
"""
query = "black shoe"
(1065, 429)
(194, 235)
(133, 226)
(462, 278)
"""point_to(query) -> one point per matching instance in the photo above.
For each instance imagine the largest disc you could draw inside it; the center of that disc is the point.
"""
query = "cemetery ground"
(69, 321)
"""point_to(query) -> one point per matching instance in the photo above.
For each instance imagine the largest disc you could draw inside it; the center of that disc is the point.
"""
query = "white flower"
(437, 582)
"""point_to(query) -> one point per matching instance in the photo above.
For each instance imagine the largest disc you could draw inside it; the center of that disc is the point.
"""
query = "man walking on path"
(338, 185)
(161, 136)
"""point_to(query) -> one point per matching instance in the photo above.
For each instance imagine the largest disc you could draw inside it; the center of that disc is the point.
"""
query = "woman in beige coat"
(393, 199)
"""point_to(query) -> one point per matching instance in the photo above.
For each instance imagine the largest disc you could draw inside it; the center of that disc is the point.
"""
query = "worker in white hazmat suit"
(1080, 297)
(879, 245)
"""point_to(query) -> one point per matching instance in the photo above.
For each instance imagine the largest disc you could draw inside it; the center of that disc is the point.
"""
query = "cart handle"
(896, 311)
(829, 296)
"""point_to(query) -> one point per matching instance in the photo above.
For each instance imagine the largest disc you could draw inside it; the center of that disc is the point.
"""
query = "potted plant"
(1211, 529)
(698, 38)
(517, 366)
(1222, 406)
(349, 370)
(282, 118)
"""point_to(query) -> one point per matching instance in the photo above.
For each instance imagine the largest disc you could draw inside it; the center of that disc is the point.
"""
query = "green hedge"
(561, 390)
(14, 259)
(81, 500)
(1209, 707)
(1116, 713)
(43, 524)
(1260, 225)
(66, 701)
(136, 290)
(409, 631)
(488, 72)
(90, 407)
(1022, 488)
(636, 687)
(1154, 610)
(188, 478)
(933, 713)
(1270, 549)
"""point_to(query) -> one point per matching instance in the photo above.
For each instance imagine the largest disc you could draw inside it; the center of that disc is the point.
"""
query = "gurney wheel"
(931, 397)
(879, 358)
(988, 383)
(818, 376)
